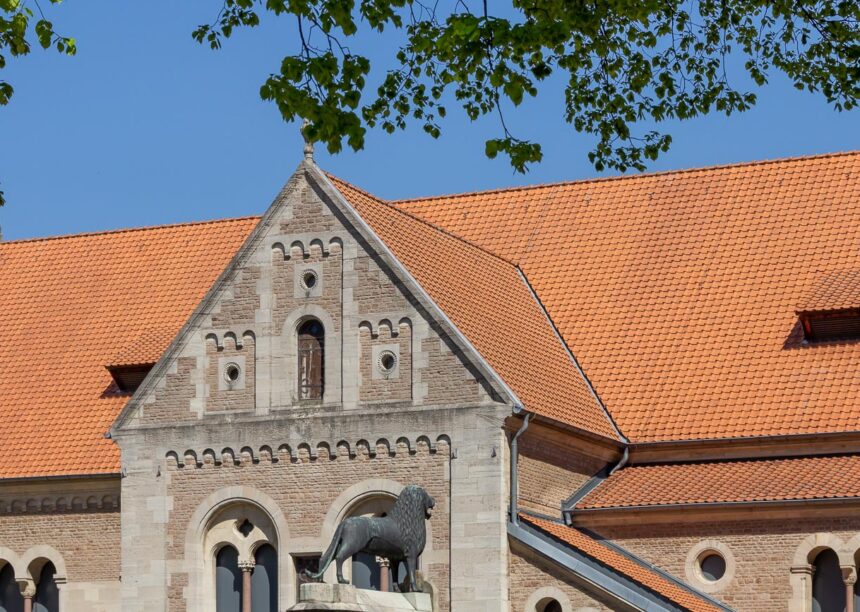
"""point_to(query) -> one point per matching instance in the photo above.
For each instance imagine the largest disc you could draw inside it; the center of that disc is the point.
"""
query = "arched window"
(311, 348)
(228, 581)
(828, 588)
(47, 598)
(10, 594)
(241, 544)
(264, 580)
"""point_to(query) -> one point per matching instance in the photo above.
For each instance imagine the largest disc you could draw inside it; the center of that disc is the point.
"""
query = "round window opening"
(387, 362)
(309, 279)
(551, 605)
(712, 566)
(231, 372)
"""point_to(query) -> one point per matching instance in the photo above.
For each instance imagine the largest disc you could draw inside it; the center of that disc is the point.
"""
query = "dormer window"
(831, 326)
(831, 312)
(129, 377)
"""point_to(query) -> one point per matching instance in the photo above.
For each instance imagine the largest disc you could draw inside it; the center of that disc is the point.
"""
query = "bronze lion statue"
(399, 536)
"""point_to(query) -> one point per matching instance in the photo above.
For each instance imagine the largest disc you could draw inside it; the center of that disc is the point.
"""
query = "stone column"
(28, 592)
(247, 568)
(384, 574)
(849, 576)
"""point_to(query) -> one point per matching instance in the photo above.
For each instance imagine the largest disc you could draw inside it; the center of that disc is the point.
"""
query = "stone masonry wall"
(376, 385)
(437, 394)
(533, 579)
(305, 489)
(549, 474)
(74, 525)
(763, 553)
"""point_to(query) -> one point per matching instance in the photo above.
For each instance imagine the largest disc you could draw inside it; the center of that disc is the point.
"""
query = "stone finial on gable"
(309, 145)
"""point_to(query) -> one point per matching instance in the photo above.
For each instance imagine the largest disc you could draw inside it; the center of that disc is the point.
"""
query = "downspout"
(514, 511)
(622, 462)
(568, 505)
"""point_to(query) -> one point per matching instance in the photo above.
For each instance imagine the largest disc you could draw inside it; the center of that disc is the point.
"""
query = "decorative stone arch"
(198, 560)
(10, 557)
(284, 363)
(852, 548)
(37, 556)
(802, 568)
(33, 561)
(692, 567)
(543, 595)
(355, 497)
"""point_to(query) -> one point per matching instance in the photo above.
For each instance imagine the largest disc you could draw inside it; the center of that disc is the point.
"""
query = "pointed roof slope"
(619, 560)
(68, 307)
(491, 303)
(677, 291)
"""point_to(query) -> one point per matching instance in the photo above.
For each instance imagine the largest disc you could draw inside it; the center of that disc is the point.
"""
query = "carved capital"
(247, 565)
(28, 588)
(849, 574)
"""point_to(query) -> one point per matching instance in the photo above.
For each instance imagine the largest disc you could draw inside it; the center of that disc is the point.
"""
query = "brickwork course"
(640, 337)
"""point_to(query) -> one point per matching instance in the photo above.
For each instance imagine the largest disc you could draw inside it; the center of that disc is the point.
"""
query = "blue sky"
(144, 126)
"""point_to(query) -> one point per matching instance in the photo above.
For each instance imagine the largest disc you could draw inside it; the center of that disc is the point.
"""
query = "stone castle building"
(635, 393)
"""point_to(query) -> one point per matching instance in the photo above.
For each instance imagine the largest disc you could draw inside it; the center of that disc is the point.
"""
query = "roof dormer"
(831, 311)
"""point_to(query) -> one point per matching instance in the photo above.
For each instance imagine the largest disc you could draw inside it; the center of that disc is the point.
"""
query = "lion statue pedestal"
(321, 597)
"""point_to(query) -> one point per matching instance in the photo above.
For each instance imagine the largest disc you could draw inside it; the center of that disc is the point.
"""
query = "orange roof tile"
(647, 577)
(493, 307)
(68, 306)
(145, 349)
(677, 291)
(832, 292)
(759, 480)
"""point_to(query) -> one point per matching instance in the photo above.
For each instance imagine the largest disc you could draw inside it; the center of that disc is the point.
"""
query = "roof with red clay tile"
(491, 304)
(69, 306)
(624, 564)
(145, 349)
(833, 292)
(754, 480)
(677, 291)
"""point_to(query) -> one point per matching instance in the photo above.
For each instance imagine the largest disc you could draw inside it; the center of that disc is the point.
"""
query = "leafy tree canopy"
(622, 61)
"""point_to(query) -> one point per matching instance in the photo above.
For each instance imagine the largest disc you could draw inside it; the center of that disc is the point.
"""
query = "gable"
(240, 352)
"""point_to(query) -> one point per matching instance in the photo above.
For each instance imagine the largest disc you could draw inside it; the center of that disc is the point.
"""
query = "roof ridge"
(128, 230)
(621, 177)
(414, 217)
(571, 355)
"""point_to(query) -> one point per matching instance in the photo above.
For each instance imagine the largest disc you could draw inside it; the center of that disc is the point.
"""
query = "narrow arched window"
(264, 580)
(828, 588)
(47, 598)
(10, 593)
(311, 360)
(228, 581)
